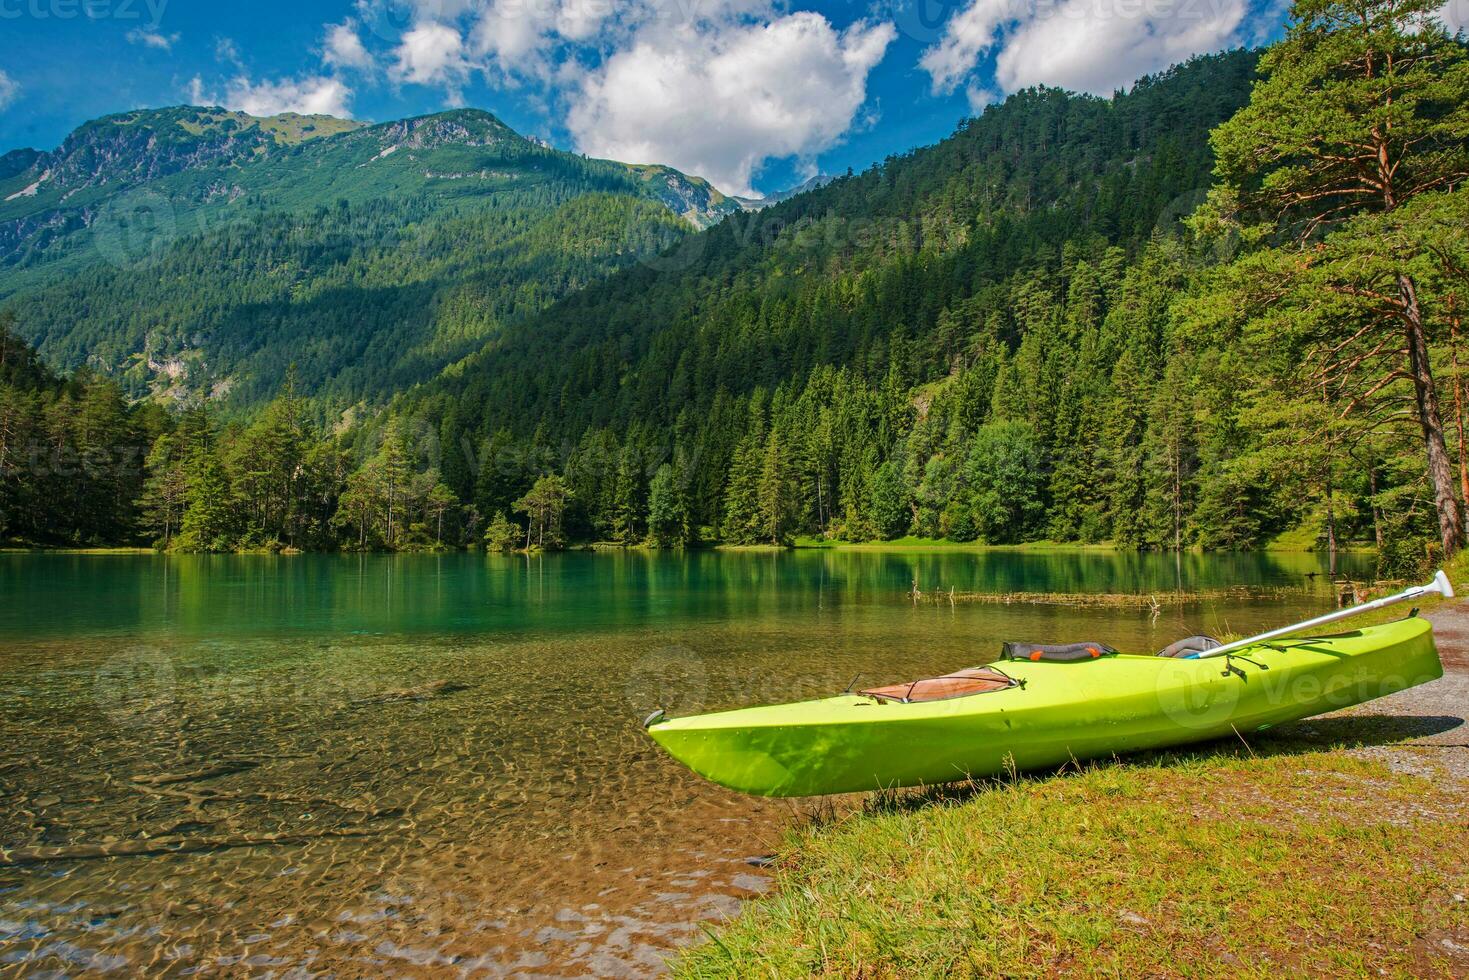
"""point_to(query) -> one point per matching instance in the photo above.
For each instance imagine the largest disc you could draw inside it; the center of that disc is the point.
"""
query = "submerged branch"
(1126, 600)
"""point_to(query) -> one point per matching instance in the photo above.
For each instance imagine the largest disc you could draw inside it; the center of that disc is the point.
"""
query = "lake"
(420, 764)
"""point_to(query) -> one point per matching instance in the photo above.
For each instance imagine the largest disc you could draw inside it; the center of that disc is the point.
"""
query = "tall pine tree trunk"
(1376, 509)
(1458, 400)
(1440, 474)
(1327, 483)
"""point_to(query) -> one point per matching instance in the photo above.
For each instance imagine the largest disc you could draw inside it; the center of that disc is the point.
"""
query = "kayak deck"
(1054, 713)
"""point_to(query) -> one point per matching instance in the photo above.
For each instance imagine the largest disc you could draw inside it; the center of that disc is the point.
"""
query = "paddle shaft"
(1439, 586)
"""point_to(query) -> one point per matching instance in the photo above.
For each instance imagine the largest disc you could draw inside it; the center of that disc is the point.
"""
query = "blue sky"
(753, 94)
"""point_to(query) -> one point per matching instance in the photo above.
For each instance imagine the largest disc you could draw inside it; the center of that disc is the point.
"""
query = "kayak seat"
(959, 684)
(1190, 647)
(1056, 653)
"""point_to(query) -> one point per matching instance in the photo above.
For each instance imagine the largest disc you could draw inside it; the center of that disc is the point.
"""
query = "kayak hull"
(1060, 712)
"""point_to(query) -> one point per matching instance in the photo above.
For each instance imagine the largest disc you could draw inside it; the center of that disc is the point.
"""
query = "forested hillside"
(1013, 335)
(1221, 307)
(869, 359)
(190, 252)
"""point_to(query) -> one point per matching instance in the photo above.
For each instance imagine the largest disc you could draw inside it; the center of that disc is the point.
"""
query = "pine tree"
(165, 492)
(668, 513)
(1170, 450)
(742, 495)
(109, 460)
(888, 501)
(209, 520)
(628, 509)
(544, 506)
(438, 502)
(775, 492)
(1360, 113)
(1006, 475)
(500, 534)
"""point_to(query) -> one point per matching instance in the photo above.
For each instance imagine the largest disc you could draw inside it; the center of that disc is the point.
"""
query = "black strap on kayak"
(1014, 681)
(1230, 668)
(1056, 653)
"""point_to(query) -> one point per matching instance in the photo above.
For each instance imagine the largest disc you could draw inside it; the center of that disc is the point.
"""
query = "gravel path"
(1431, 717)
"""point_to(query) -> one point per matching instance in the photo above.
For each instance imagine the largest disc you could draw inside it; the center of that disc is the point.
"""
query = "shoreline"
(908, 545)
(1351, 820)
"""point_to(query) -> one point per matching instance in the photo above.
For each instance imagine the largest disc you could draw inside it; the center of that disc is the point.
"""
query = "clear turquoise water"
(518, 820)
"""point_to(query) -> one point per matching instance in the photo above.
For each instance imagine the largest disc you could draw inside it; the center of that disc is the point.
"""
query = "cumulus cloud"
(968, 34)
(1090, 49)
(226, 51)
(719, 101)
(312, 95)
(520, 38)
(343, 48)
(513, 36)
(431, 54)
(151, 39)
(9, 90)
(1086, 45)
(714, 87)
(1455, 15)
(980, 96)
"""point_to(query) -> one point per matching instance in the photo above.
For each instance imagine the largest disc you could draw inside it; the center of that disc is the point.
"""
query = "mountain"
(845, 336)
(196, 250)
(809, 184)
(1008, 336)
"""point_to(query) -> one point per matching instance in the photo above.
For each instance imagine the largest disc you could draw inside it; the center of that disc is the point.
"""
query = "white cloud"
(718, 101)
(343, 48)
(980, 96)
(312, 95)
(226, 51)
(714, 87)
(515, 35)
(9, 90)
(432, 54)
(152, 39)
(1090, 50)
(1455, 15)
(519, 39)
(967, 35)
(1086, 45)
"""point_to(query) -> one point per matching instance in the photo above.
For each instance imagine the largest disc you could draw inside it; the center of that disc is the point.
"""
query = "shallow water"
(436, 761)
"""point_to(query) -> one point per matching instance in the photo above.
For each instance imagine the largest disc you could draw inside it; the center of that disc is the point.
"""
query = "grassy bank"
(108, 550)
(1281, 857)
(913, 543)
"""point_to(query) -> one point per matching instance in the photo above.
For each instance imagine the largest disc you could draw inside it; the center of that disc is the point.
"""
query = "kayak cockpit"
(959, 684)
(982, 680)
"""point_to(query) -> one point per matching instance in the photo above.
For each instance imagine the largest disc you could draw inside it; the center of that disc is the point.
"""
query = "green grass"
(750, 547)
(1282, 859)
(915, 543)
(101, 550)
(1309, 535)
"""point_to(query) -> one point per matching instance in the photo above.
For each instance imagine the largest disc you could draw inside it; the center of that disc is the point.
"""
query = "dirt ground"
(1432, 714)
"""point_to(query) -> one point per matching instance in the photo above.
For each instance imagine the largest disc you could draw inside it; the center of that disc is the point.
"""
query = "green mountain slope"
(823, 335)
(193, 250)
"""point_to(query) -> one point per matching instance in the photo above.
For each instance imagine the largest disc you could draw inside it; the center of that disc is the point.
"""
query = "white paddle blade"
(1442, 585)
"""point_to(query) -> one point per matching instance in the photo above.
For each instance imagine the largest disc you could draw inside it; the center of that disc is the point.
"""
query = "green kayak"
(1025, 714)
